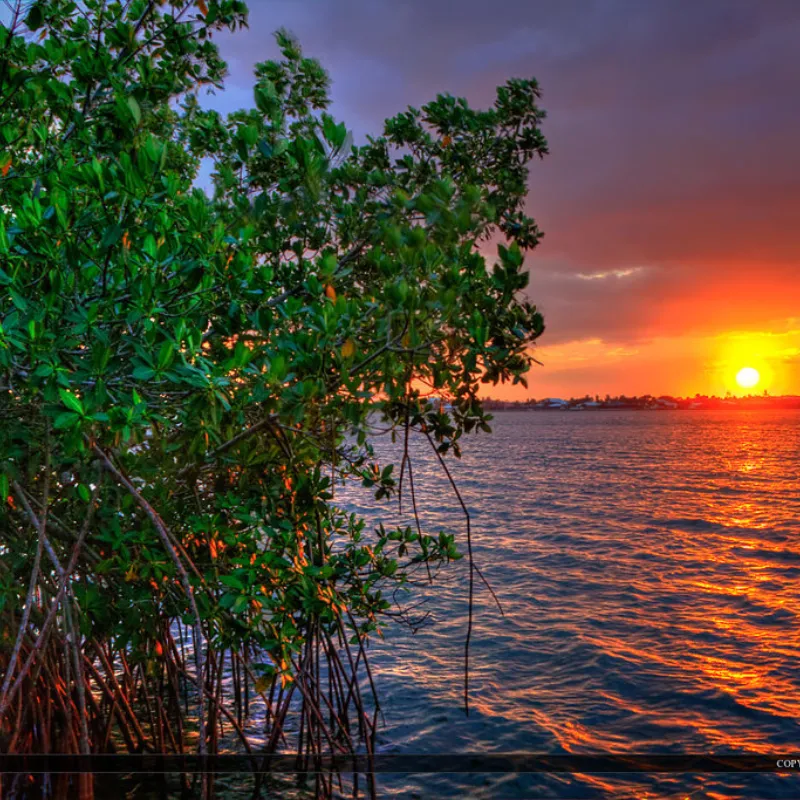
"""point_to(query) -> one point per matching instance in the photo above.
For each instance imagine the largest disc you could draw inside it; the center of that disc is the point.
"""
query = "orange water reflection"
(648, 566)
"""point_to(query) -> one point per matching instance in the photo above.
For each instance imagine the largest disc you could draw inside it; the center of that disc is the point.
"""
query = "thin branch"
(5, 695)
(470, 609)
(64, 575)
(240, 437)
(161, 527)
(380, 351)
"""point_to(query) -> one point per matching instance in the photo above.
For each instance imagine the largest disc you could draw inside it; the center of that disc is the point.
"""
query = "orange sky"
(676, 365)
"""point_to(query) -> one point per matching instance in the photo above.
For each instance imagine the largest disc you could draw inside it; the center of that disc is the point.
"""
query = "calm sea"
(648, 566)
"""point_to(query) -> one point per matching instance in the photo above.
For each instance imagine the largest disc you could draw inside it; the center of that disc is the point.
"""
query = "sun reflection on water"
(647, 565)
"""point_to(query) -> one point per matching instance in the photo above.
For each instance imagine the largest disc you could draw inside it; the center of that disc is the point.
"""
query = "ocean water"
(648, 566)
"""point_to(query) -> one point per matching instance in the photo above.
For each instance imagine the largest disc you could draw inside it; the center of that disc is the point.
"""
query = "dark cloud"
(674, 128)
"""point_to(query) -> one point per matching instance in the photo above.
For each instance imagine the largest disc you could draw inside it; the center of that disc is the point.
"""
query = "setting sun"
(747, 377)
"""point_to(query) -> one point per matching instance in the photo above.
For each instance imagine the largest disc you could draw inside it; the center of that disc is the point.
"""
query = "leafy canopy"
(231, 354)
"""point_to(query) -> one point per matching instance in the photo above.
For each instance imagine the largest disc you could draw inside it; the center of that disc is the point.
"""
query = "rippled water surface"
(647, 564)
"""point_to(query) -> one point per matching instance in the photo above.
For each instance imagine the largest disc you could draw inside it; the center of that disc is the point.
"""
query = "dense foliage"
(184, 377)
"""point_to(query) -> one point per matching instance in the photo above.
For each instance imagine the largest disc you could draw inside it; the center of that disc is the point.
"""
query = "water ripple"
(648, 566)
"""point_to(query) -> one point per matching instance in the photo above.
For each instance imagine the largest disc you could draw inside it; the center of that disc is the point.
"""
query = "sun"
(747, 377)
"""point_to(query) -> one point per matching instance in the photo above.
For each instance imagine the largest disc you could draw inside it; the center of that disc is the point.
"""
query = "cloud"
(611, 273)
(673, 128)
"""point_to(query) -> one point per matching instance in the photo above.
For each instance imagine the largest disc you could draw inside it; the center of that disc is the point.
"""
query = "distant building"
(666, 402)
(553, 402)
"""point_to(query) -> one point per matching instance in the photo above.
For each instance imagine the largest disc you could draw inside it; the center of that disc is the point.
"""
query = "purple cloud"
(673, 128)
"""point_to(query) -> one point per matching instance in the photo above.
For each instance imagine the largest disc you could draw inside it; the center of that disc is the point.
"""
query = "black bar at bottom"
(401, 763)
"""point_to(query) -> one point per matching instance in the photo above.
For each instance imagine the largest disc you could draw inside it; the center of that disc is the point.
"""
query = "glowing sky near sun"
(671, 198)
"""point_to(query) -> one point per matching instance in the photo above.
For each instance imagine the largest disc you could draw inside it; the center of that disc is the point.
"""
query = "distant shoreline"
(649, 403)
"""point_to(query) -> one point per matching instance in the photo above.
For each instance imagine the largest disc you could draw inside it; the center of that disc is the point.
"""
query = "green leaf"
(266, 97)
(18, 300)
(111, 236)
(263, 683)
(228, 599)
(35, 17)
(71, 401)
(136, 111)
(334, 134)
(66, 419)
(277, 367)
(142, 373)
(224, 400)
(240, 604)
(165, 355)
(149, 247)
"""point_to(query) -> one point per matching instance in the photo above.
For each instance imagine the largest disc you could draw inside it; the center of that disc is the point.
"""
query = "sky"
(670, 200)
